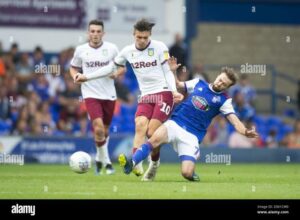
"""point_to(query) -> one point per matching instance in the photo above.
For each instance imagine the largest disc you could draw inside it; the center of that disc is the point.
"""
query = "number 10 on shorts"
(165, 108)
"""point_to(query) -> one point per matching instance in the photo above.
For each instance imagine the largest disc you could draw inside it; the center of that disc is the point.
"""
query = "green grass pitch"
(236, 181)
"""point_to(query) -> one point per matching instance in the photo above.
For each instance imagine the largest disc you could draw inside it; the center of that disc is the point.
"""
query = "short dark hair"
(143, 25)
(14, 45)
(96, 22)
(231, 74)
(38, 49)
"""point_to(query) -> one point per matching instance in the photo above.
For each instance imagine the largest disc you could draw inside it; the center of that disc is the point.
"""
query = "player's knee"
(140, 125)
(99, 131)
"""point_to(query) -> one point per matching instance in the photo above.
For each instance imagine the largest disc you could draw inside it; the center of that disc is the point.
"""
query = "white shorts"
(184, 143)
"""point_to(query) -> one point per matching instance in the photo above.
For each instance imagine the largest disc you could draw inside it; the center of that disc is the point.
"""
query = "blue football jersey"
(196, 112)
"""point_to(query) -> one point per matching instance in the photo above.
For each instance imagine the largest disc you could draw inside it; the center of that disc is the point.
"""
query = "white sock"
(105, 153)
(99, 154)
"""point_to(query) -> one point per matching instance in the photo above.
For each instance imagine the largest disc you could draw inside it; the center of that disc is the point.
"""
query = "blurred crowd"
(43, 101)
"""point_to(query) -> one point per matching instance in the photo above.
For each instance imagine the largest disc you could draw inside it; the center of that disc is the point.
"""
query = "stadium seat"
(4, 127)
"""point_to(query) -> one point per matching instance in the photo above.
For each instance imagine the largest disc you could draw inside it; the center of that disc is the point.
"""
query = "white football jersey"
(147, 65)
(91, 59)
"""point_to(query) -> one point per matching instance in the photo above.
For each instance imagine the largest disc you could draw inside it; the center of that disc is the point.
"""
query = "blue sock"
(142, 153)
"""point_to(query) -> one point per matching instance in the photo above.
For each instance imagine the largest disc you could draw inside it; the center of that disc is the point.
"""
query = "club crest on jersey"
(200, 103)
(216, 99)
(105, 52)
(150, 52)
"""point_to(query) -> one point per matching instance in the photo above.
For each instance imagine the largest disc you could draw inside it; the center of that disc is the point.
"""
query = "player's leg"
(159, 137)
(141, 125)
(154, 162)
(153, 125)
(99, 137)
(189, 152)
(95, 112)
(161, 112)
(188, 170)
(108, 110)
(106, 158)
(143, 113)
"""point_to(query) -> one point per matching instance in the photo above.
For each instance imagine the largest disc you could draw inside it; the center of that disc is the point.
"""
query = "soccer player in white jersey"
(148, 59)
(91, 64)
(188, 124)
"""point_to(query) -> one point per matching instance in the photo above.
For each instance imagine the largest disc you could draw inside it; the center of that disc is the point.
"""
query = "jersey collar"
(100, 45)
(143, 48)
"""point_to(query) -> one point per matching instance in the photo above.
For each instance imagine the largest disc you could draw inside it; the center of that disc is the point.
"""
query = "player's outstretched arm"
(239, 127)
(119, 71)
(100, 73)
(172, 61)
(171, 81)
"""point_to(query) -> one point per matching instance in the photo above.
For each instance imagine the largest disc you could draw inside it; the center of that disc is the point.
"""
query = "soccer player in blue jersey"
(188, 124)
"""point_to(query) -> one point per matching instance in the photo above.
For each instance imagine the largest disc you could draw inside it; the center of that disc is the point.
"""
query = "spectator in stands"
(32, 107)
(179, 50)
(271, 140)
(2, 63)
(184, 75)
(83, 127)
(4, 103)
(243, 110)
(123, 93)
(292, 140)
(25, 71)
(198, 72)
(22, 124)
(68, 100)
(23, 67)
(9, 65)
(71, 95)
(236, 140)
(38, 57)
(41, 86)
(246, 89)
(221, 139)
(44, 120)
(13, 87)
(65, 59)
(298, 97)
(1, 48)
(68, 118)
(14, 52)
(56, 81)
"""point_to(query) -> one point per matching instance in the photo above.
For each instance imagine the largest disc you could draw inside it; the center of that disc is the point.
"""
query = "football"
(80, 162)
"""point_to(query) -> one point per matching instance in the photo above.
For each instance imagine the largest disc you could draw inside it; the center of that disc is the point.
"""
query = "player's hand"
(76, 76)
(80, 78)
(114, 75)
(173, 64)
(177, 97)
(251, 133)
